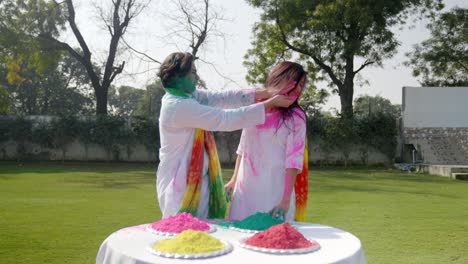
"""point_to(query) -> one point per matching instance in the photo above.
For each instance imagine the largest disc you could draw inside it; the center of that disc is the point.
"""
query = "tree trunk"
(347, 90)
(346, 98)
(101, 101)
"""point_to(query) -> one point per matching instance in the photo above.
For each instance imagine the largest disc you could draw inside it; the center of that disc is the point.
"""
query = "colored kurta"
(266, 152)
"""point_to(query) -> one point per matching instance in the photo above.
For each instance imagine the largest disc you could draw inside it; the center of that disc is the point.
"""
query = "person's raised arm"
(190, 113)
(231, 98)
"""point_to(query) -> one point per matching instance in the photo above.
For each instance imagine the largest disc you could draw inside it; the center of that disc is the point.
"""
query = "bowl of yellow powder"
(190, 244)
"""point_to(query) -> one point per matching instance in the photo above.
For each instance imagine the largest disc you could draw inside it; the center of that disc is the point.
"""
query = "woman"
(189, 174)
(272, 155)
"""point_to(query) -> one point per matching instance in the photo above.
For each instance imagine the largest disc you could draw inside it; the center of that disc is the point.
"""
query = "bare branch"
(82, 59)
(116, 71)
(367, 62)
(218, 72)
(76, 31)
(139, 52)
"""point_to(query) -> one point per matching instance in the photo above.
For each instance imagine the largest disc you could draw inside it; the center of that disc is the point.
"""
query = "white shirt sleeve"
(190, 114)
(225, 99)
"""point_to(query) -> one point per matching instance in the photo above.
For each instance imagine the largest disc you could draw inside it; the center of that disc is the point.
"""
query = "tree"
(337, 39)
(20, 24)
(117, 23)
(312, 99)
(124, 100)
(150, 104)
(60, 89)
(442, 60)
(366, 105)
(45, 31)
(5, 103)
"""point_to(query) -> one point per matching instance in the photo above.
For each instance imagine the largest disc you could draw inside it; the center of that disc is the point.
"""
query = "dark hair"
(175, 65)
(289, 71)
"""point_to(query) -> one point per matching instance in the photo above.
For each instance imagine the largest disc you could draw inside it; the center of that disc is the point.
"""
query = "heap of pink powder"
(180, 222)
(282, 236)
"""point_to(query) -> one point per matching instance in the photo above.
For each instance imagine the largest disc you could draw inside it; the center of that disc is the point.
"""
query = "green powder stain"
(258, 222)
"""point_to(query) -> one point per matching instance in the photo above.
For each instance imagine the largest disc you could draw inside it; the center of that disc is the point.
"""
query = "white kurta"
(177, 123)
(266, 152)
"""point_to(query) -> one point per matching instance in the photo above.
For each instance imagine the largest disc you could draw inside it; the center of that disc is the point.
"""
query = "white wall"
(435, 106)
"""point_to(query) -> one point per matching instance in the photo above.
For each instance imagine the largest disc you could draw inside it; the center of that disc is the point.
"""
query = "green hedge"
(113, 133)
(116, 134)
(376, 131)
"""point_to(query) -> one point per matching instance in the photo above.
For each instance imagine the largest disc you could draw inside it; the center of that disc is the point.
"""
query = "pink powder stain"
(294, 164)
(177, 187)
(297, 147)
(241, 186)
(180, 222)
(249, 160)
(298, 117)
(272, 120)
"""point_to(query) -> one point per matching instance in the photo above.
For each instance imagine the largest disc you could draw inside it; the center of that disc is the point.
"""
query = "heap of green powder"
(258, 222)
(225, 224)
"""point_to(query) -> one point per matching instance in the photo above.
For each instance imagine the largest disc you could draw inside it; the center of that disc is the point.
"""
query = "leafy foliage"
(115, 134)
(329, 37)
(367, 105)
(150, 104)
(5, 101)
(146, 131)
(21, 22)
(442, 60)
(124, 99)
(377, 130)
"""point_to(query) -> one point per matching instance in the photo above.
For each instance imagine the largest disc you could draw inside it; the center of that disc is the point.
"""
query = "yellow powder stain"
(190, 242)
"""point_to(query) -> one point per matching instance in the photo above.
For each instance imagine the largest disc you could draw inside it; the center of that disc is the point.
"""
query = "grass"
(60, 213)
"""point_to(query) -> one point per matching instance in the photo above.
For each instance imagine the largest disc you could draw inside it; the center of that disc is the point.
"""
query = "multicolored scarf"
(218, 200)
(301, 187)
(184, 87)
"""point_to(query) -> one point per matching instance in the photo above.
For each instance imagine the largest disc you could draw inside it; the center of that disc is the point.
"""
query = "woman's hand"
(229, 188)
(280, 210)
(278, 101)
(261, 94)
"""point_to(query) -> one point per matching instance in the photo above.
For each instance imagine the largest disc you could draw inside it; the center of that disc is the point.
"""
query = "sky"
(149, 34)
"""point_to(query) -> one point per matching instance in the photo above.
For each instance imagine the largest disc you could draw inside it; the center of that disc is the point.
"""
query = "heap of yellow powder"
(190, 242)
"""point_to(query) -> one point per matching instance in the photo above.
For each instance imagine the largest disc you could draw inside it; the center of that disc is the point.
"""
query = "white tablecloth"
(128, 246)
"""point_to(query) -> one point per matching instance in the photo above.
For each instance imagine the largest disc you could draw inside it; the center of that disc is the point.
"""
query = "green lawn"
(54, 213)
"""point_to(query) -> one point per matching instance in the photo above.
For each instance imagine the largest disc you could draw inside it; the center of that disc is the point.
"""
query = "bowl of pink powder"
(280, 239)
(178, 223)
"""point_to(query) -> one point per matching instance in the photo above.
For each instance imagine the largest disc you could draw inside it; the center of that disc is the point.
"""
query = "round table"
(129, 246)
